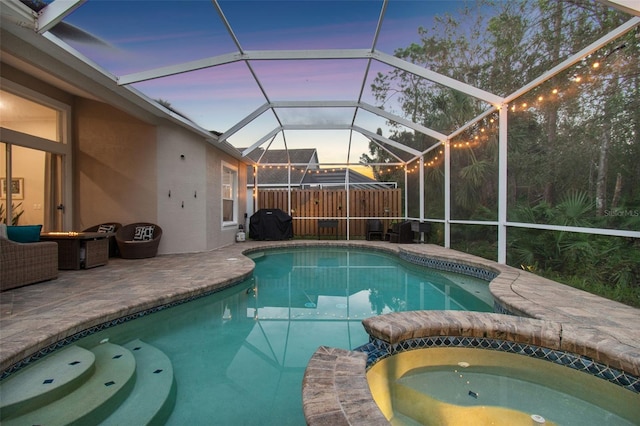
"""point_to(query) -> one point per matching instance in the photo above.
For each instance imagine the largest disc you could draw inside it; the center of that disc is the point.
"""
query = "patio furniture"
(80, 250)
(108, 227)
(27, 263)
(421, 228)
(374, 229)
(401, 233)
(138, 240)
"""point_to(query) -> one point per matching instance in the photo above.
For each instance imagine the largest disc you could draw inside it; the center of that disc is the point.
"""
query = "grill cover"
(270, 224)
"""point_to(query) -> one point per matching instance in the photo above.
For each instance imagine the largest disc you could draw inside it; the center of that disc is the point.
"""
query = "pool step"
(153, 396)
(43, 382)
(125, 385)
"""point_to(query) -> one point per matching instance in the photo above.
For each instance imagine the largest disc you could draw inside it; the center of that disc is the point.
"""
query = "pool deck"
(39, 315)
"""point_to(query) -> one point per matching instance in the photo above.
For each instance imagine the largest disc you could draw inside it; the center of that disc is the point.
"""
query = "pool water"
(239, 355)
(452, 386)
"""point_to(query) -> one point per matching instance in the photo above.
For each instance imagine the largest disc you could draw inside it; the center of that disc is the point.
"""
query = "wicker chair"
(401, 233)
(113, 245)
(137, 249)
(374, 229)
(27, 263)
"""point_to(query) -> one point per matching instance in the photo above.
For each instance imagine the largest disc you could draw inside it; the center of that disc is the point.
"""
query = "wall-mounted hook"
(182, 156)
(183, 204)
(195, 194)
(169, 193)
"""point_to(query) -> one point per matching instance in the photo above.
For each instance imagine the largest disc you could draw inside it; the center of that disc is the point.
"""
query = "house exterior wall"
(216, 232)
(124, 167)
(115, 166)
(182, 194)
(140, 165)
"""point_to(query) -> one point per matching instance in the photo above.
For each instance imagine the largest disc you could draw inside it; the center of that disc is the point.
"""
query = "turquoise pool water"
(239, 355)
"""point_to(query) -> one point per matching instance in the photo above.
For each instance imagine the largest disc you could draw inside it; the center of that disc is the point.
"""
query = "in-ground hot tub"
(407, 345)
(465, 385)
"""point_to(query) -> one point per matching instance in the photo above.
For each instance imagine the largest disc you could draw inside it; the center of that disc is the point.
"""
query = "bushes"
(605, 265)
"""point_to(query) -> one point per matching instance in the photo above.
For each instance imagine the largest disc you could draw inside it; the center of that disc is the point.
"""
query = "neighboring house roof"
(336, 178)
(270, 175)
(305, 173)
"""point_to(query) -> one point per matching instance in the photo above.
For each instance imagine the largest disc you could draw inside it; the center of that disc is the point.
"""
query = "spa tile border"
(377, 350)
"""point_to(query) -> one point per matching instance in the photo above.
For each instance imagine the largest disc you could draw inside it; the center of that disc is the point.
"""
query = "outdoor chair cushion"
(108, 227)
(24, 233)
(132, 248)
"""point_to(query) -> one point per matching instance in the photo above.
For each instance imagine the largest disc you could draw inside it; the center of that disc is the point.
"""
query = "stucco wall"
(115, 170)
(217, 234)
(182, 195)
(126, 169)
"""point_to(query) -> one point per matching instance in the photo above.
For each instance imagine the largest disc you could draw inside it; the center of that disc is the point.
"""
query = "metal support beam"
(422, 199)
(242, 123)
(261, 141)
(447, 193)
(385, 140)
(438, 78)
(502, 185)
(601, 42)
(55, 12)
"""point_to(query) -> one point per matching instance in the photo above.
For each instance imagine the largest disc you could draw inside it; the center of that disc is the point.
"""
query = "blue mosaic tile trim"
(500, 309)
(445, 265)
(377, 350)
(100, 327)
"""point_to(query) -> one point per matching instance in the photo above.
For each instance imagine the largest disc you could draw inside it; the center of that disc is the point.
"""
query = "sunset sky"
(143, 35)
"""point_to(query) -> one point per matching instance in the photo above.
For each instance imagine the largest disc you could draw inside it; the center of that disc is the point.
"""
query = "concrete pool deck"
(37, 316)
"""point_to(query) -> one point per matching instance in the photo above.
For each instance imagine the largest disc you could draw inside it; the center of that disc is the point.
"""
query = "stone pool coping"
(36, 318)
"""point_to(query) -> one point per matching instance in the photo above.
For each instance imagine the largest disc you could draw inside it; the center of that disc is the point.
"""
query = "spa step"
(153, 396)
(99, 395)
(45, 381)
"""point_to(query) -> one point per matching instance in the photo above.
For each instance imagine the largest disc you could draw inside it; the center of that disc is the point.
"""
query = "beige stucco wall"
(216, 231)
(126, 169)
(182, 195)
(115, 168)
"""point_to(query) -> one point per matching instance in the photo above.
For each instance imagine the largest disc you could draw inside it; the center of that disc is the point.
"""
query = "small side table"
(424, 228)
(80, 250)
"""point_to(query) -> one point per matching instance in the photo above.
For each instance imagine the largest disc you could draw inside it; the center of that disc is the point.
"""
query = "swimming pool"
(239, 355)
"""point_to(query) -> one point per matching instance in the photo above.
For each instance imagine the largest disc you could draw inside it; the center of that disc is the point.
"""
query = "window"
(229, 194)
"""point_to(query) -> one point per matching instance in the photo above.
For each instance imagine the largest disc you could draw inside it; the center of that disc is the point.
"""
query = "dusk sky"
(143, 35)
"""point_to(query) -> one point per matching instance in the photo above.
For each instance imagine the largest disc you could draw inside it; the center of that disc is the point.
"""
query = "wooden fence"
(307, 205)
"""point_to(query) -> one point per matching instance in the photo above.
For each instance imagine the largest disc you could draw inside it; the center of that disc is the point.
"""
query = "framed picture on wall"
(17, 188)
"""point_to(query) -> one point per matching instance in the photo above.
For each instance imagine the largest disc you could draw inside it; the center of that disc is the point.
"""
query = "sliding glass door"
(35, 159)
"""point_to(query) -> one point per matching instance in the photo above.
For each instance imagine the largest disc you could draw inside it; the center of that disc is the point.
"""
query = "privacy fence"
(309, 207)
